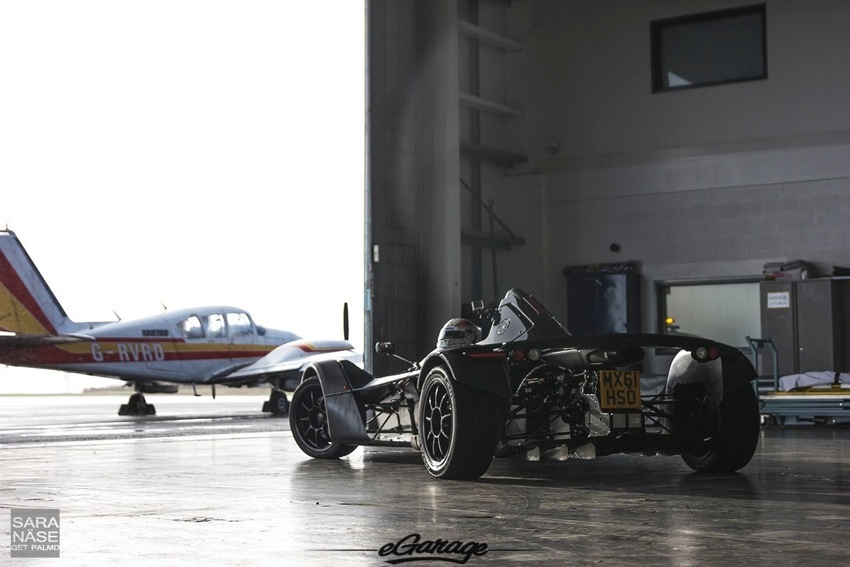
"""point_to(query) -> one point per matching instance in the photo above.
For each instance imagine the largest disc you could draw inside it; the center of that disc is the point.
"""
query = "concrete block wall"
(709, 182)
(713, 230)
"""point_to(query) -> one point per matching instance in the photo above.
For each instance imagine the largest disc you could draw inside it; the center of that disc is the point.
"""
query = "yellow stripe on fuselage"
(17, 318)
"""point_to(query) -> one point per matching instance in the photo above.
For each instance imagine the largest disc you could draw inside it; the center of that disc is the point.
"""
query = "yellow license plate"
(619, 389)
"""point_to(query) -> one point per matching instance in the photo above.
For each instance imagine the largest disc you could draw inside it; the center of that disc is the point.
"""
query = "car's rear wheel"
(309, 425)
(735, 434)
(459, 427)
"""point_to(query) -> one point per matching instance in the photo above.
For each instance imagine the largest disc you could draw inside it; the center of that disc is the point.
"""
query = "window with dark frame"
(726, 310)
(711, 48)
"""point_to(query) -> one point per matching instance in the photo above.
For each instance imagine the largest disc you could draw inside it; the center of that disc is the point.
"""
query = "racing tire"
(459, 427)
(309, 425)
(735, 435)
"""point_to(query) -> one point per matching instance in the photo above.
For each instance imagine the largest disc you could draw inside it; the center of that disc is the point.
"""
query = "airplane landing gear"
(137, 405)
(277, 404)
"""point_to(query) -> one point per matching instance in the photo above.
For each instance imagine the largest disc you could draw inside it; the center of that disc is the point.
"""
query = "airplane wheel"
(308, 422)
(459, 427)
(278, 402)
(137, 405)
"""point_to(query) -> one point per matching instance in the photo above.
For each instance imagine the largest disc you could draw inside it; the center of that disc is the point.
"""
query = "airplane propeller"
(345, 320)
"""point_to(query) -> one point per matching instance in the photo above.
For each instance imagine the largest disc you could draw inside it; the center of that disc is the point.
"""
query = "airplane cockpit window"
(216, 328)
(192, 328)
(240, 324)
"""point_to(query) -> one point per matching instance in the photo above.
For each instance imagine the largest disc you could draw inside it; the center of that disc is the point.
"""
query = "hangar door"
(427, 240)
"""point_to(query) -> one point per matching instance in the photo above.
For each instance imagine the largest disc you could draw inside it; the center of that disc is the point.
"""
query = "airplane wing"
(20, 340)
(288, 360)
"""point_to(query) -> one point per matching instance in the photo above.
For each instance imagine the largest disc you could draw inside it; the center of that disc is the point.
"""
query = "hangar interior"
(523, 143)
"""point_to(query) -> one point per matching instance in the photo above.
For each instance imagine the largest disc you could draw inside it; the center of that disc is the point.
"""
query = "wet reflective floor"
(219, 483)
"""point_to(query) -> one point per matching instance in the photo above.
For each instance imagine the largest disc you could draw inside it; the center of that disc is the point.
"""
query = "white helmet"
(457, 333)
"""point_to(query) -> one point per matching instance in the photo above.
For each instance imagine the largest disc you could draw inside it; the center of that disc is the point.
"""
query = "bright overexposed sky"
(187, 152)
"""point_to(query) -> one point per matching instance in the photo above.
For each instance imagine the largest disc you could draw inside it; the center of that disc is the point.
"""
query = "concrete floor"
(218, 483)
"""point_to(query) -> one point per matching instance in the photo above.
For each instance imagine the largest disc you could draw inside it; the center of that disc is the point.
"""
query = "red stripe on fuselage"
(126, 351)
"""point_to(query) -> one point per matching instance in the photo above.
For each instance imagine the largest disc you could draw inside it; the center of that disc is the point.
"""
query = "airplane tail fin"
(27, 305)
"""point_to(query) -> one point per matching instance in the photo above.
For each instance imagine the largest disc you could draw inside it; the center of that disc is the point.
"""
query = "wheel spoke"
(311, 419)
(437, 421)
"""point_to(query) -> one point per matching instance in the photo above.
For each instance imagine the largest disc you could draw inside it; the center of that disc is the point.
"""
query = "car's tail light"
(705, 354)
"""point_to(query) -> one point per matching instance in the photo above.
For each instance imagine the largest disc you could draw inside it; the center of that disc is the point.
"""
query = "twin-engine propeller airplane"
(205, 345)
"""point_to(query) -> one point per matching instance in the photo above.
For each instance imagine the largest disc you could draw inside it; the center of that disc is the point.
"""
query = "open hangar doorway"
(508, 140)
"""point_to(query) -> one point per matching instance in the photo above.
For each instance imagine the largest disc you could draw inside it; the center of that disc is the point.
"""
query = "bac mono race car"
(530, 389)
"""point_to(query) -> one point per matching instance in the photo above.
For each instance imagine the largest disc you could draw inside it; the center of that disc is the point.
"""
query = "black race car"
(530, 389)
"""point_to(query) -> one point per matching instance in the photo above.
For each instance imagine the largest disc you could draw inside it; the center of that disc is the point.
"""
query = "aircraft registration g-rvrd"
(214, 345)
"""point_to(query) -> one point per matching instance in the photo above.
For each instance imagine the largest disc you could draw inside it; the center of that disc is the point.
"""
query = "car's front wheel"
(459, 427)
(309, 425)
(735, 435)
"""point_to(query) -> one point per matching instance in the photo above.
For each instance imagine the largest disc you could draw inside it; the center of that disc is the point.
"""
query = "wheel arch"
(738, 371)
(722, 376)
(477, 373)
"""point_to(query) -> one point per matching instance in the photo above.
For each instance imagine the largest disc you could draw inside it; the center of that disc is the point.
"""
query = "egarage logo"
(412, 548)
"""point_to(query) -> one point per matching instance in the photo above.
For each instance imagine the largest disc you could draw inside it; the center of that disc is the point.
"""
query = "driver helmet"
(457, 333)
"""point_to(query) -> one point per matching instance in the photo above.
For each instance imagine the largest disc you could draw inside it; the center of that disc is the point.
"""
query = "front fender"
(732, 370)
(346, 422)
(487, 372)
